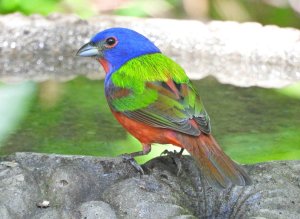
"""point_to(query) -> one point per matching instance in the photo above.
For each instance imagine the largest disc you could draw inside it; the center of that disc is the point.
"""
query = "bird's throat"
(106, 65)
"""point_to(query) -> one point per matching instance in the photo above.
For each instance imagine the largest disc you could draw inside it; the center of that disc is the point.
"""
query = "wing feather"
(157, 95)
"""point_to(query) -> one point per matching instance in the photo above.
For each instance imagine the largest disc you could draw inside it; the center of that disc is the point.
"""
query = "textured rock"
(95, 187)
(5, 213)
(40, 48)
(18, 189)
(49, 213)
(96, 209)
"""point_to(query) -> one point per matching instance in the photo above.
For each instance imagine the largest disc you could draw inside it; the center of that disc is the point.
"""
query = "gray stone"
(70, 185)
(145, 197)
(18, 189)
(96, 209)
(95, 187)
(53, 213)
(44, 48)
(48, 213)
(150, 210)
(5, 213)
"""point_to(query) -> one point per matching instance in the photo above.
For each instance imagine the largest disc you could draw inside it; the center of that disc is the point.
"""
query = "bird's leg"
(130, 157)
(146, 150)
(176, 158)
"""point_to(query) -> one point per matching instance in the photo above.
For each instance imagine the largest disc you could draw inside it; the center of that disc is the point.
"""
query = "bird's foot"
(176, 156)
(129, 158)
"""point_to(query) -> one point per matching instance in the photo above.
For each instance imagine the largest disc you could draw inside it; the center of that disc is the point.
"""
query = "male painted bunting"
(154, 100)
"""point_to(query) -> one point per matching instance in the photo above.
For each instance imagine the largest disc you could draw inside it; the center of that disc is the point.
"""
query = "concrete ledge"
(96, 187)
(39, 48)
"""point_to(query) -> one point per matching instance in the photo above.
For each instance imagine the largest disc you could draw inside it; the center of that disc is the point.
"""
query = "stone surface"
(18, 189)
(40, 48)
(5, 213)
(96, 187)
(96, 209)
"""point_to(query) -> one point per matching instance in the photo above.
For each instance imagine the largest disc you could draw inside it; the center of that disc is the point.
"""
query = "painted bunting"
(154, 100)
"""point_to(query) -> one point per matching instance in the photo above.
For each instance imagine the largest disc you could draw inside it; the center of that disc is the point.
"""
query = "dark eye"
(111, 41)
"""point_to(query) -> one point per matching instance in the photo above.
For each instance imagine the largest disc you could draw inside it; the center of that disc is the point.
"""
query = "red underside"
(147, 134)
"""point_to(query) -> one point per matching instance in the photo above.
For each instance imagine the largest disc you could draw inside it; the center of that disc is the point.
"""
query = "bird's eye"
(111, 42)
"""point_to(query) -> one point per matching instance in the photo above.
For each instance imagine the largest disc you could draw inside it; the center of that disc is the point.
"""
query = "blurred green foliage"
(29, 6)
(282, 13)
(251, 124)
(292, 90)
(255, 10)
(15, 102)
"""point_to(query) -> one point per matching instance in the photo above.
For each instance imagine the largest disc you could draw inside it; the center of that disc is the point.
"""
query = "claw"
(130, 157)
(176, 158)
(132, 161)
(178, 164)
(165, 152)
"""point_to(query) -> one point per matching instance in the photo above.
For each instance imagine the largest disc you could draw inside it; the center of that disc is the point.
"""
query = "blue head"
(115, 46)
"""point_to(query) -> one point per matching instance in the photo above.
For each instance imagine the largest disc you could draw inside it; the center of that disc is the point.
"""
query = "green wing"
(165, 100)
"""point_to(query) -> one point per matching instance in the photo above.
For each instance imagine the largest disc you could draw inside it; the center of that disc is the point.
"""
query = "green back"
(155, 90)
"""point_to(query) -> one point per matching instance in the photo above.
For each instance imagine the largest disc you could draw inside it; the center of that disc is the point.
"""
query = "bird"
(152, 97)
